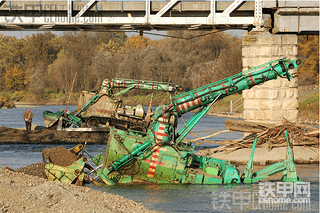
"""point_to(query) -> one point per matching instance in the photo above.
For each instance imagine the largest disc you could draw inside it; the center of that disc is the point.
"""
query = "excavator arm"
(159, 156)
(162, 132)
(66, 118)
(205, 95)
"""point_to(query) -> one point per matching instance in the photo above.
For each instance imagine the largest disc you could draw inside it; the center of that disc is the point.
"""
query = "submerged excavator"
(103, 109)
(162, 156)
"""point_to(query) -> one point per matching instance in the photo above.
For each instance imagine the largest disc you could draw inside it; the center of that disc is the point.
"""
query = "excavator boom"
(161, 156)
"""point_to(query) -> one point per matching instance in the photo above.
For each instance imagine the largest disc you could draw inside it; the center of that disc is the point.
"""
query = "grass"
(309, 106)
(223, 105)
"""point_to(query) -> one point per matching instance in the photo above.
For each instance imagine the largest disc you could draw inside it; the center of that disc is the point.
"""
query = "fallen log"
(209, 136)
(205, 141)
(246, 126)
(313, 133)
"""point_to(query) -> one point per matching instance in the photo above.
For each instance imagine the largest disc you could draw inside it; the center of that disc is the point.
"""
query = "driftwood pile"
(268, 135)
(274, 136)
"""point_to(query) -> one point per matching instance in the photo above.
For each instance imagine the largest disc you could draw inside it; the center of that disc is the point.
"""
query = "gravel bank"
(20, 192)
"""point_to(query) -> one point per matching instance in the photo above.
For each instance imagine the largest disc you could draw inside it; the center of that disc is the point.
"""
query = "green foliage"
(18, 95)
(309, 106)
(51, 97)
(52, 89)
(4, 98)
(111, 47)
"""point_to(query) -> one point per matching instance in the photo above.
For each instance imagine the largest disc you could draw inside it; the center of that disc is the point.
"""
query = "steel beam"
(160, 15)
(166, 8)
(258, 22)
(85, 8)
(232, 7)
(296, 20)
(69, 10)
(212, 11)
(147, 17)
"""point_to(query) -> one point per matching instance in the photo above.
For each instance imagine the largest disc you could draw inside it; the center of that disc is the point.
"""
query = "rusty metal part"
(83, 149)
(96, 183)
(75, 150)
(7, 167)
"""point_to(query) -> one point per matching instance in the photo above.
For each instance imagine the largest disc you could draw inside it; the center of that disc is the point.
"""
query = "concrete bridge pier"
(274, 99)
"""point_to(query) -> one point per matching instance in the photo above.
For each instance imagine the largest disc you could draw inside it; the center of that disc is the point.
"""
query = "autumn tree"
(44, 62)
(63, 71)
(308, 46)
(137, 42)
(11, 55)
(15, 79)
(38, 81)
(42, 47)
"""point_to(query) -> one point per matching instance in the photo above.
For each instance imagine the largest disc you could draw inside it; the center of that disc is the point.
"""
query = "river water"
(182, 198)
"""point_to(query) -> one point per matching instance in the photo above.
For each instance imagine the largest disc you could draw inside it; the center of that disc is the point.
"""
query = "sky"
(22, 34)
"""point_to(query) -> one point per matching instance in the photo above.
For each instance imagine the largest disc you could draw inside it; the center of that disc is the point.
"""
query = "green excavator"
(103, 109)
(162, 156)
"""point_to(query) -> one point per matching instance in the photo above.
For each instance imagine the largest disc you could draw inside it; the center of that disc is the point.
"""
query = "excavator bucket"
(64, 165)
(70, 174)
(50, 119)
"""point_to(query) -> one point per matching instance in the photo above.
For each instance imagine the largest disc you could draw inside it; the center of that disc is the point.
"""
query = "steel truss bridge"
(282, 16)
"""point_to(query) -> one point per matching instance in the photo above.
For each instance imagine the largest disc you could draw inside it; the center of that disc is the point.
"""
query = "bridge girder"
(156, 15)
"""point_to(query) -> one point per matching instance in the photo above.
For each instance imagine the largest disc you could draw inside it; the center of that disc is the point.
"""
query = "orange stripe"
(161, 134)
(225, 89)
(252, 80)
(161, 127)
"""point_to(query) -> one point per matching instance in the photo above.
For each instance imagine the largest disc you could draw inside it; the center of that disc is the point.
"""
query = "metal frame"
(290, 17)
(85, 8)
(213, 18)
(54, 19)
(258, 13)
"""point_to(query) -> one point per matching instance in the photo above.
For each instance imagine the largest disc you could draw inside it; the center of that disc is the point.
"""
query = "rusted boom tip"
(300, 61)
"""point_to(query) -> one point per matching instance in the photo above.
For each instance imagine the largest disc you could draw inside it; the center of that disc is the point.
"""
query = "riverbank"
(38, 135)
(20, 192)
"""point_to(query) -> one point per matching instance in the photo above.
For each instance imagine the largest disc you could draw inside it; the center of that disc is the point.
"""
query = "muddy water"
(174, 198)
(184, 198)
(220, 198)
(13, 118)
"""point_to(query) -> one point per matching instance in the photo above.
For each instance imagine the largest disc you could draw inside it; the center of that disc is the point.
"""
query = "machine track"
(122, 122)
